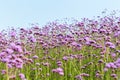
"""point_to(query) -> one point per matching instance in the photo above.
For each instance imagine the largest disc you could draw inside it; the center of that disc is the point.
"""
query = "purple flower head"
(118, 51)
(110, 44)
(87, 39)
(80, 24)
(5, 60)
(3, 71)
(117, 65)
(22, 76)
(74, 43)
(2, 54)
(10, 65)
(59, 63)
(54, 70)
(113, 55)
(97, 75)
(30, 32)
(110, 65)
(12, 45)
(19, 43)
(30, 60)
(32, 39)
(18, 60)
(84, 74)
(88, 43)
(102, 31)
(105, 69)
(16, 47)
(100, 61)
(35, 57)
(114, 75)
(107, 38)
(46, 64)
(59, 71)
(92, 41)
(36, 33)
(65, 58)
(117, 61)
(117, 34)
(94, 31)
(19, 49)
(13, 33)
(9, 51)
(78, 77)
(60, 36)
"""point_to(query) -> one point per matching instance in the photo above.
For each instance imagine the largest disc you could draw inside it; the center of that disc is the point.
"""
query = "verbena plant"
(85, 50)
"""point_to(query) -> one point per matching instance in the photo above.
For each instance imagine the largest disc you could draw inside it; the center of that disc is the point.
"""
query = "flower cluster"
(83, 50)
(59, 71)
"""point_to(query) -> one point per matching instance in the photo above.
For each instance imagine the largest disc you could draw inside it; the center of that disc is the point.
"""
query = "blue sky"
(22, 13)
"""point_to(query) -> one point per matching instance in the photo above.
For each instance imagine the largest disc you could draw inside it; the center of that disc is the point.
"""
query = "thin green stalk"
(7, 74)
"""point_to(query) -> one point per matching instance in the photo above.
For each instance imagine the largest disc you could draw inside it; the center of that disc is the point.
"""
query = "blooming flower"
(78, 77)
(110, 44)
(22, 76)
(3, 71)
(59, 71)
(65, 58)
(10, 51)
(35, 57)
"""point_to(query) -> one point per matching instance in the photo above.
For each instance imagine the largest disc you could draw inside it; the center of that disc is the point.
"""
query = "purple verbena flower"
(59, 71)
(78, 77)
(3, 72)
(35, 57)
(22, 76)
(10, 51)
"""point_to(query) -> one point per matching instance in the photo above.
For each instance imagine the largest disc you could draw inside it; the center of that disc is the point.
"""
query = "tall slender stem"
(7, 71)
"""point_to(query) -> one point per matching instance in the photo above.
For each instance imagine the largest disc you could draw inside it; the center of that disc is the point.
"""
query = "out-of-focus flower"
(3, 71)
(46, 64)
(65, 58)
(80, 24)
(19, 49)
(59, 63)
(10, 51)
(32, 39)
(110, 44)
(114, 75)
(35, 57)
(117, 34)
(59, 71)
(22, 76)
(78, 77)
(16, 47)
(85, 74)
(113, 55)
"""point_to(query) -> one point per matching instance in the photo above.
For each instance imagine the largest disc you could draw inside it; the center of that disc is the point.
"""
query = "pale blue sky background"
(21, 13)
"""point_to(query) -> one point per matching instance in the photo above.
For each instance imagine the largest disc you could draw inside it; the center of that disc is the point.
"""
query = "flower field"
(85, 50)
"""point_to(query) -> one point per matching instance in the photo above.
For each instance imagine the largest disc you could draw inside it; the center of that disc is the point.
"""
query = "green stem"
(7, 72)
